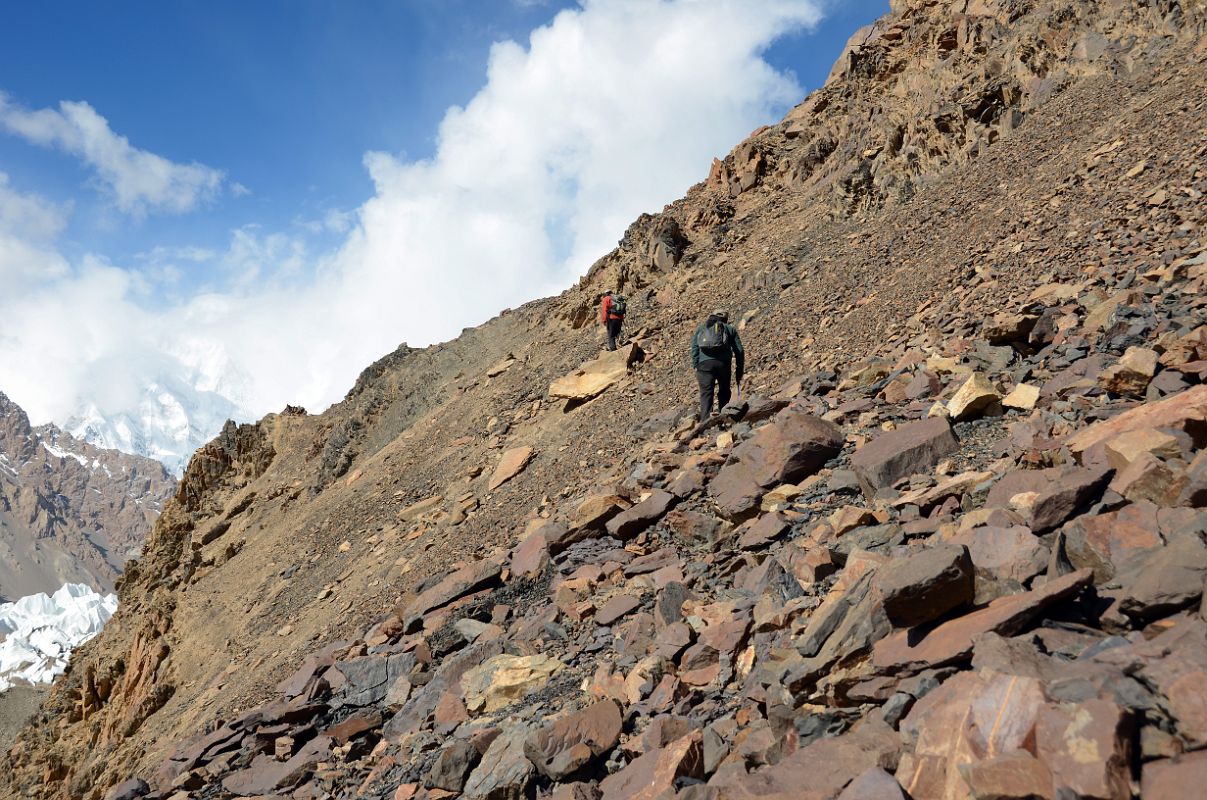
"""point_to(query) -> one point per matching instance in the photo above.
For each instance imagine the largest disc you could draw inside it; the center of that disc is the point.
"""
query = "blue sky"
(279, 160)
(284, 96)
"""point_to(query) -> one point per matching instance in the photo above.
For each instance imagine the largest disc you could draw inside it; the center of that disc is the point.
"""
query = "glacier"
(38, 633)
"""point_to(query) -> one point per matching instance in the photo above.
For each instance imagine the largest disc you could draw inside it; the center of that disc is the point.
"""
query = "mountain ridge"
(370, 507)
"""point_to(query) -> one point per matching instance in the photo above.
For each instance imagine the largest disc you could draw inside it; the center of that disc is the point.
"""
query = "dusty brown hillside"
(1037, 163)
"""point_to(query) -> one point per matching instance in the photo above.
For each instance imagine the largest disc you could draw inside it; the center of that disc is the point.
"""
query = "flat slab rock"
(511, 464)
(596, 375)
(952, 641)
(633, 521)
(912, 448)
(1185, 411)
(461, 582)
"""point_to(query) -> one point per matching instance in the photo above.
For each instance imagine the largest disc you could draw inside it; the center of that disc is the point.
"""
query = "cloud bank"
(137, 180)
(611, 109)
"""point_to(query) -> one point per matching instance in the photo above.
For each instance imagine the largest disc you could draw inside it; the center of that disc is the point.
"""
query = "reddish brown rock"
(848, 518)
(873, 784)
(926, 585)
(1149, 478)
(1126, 447)
(596, 375)
(972, 716)
(767, 529)
(1172, 778)
(594, 512)
(652, 776)
(1108, 543)
(511, 464)
(1087, 746)
(1195, 493)
(1072, 491)
(530, 557)
(616, 608)
(953, 640)
(1003, 559)
(912, 448)
(1164, 580)
(793, 446)
(504, 773)
(1185, 411)
(461, 582)
(267, 774)
(820, 770)
(1017, 775)
(633, 521)
(692, 527)
(1021, 481)
(452, 766)
(564, 747)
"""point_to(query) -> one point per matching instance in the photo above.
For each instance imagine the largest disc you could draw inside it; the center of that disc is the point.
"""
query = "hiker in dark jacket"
(714, 344)
(611, 314)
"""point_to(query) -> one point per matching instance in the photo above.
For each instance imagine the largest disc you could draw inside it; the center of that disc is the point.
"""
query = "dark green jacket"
(736, 353)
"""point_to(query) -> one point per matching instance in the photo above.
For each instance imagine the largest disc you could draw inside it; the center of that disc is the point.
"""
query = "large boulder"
(564, 747)
(595, 376)
(792, 447)
(910, 449)
(504, 679)
(926, 585)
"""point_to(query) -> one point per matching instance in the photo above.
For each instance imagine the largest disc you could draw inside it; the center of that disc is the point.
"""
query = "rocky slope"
(69, 512)
(953, 545)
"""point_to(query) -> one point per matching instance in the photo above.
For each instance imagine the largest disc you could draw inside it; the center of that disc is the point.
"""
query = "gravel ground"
(16, 706)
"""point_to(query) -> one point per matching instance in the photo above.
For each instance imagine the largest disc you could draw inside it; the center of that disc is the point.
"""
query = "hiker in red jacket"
(611, 316)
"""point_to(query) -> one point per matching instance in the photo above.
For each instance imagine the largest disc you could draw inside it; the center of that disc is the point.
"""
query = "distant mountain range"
(70, 512)
(170, 421)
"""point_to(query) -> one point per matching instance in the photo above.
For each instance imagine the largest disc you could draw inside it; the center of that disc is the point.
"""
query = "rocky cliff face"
(69, 512)
(952, 543)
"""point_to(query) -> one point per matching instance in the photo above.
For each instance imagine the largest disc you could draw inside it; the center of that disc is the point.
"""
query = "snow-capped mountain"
(169, 422)
(38, 632)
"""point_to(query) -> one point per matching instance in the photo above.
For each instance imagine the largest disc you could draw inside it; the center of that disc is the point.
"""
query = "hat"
(722, 313)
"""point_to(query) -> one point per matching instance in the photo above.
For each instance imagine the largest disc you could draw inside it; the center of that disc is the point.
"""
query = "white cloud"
(608, 111)
(139, 181)
(28, 227)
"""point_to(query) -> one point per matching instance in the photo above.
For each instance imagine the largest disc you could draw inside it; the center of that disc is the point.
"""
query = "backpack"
(713, 340)
(618, 305)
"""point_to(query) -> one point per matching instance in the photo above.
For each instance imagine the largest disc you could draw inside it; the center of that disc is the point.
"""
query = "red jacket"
(605, 312)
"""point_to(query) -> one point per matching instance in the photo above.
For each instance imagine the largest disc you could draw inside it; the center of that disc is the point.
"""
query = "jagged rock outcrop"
(327, 603)
(69, 511)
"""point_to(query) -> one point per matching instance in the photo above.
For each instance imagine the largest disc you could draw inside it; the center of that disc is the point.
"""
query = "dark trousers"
(710, 373)
(613, 326)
